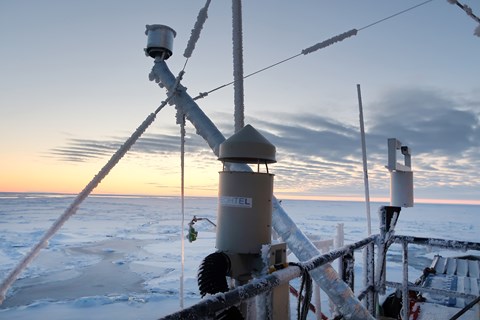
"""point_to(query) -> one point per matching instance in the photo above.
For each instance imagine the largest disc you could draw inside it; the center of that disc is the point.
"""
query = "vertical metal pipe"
(238, 64)
(370, 278)
(382, 252)
(339, 242)
(317, 299)
(405, 300)
(349, 269)
(364, 157)
(182, 187)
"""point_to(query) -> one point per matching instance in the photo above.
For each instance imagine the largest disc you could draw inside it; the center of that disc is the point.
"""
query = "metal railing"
(374, 283)
(405, 286)
(220, 301)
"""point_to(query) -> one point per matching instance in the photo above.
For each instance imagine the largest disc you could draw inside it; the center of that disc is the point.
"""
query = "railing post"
(369, 280)
(382, 255)
(317, 299)
(338, 242)
(387, 216)
(405, 298)
(348, 267)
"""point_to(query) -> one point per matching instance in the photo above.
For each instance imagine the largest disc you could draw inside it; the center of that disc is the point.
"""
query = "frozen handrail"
(220, 301)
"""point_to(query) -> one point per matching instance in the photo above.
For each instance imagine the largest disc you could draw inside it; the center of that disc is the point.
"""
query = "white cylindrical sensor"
(401, 189)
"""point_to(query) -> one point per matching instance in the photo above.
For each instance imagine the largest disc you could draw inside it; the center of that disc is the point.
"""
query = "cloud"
(428, 120)
(81, 150)
(318, 155)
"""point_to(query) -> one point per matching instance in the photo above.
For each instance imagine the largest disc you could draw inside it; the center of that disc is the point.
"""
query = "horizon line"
(287, 197)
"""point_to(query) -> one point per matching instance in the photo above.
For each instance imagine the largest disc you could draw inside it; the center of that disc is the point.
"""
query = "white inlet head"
(160, 41)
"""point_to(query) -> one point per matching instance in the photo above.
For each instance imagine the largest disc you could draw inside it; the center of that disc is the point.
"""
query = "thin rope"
(394, 15)
(185, 64)
(364, 161)
(204, 94)
(182, 166)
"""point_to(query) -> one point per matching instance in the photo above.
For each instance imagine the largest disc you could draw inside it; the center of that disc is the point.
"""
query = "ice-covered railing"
(211, 305)
(215, 303)
(406, 287)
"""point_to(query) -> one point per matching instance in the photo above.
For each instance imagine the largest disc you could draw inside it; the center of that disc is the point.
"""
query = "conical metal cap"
(247, 146)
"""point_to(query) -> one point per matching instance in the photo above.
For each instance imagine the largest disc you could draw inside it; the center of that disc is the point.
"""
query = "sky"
(74, 86)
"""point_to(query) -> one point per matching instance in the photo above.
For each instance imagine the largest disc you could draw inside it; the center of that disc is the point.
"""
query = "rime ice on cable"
(469, 13)
(202, 17)
(330, 41)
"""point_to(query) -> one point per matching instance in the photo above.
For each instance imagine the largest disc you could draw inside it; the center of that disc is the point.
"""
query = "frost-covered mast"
(238, 64)
(325, 276)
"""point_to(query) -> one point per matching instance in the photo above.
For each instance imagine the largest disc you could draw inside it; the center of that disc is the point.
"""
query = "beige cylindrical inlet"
(401, 189)
(244, 211)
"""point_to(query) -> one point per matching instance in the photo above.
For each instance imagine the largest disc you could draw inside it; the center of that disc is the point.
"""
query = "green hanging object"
(192, 234)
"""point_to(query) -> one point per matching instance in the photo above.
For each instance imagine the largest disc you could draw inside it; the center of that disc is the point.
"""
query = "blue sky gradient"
(75, 85)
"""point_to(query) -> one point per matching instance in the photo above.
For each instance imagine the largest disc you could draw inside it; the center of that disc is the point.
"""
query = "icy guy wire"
(72, 209)
(195, 34)
(469, 13)
(197, 28)
(394, 15)
(313, 48)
